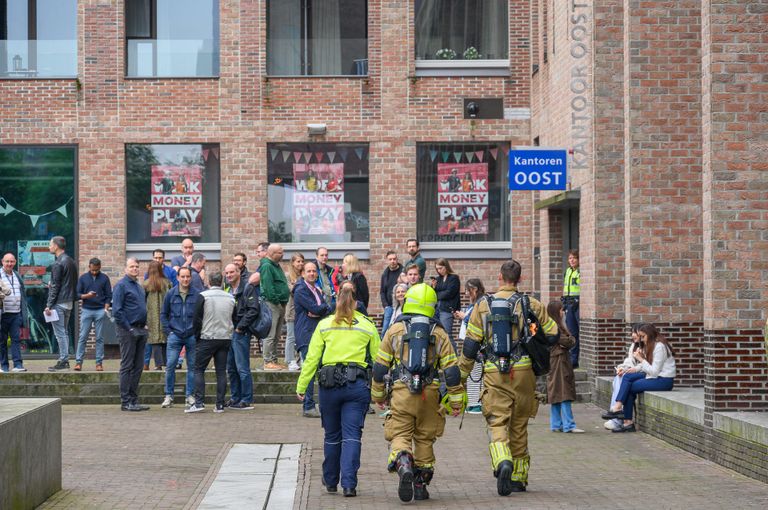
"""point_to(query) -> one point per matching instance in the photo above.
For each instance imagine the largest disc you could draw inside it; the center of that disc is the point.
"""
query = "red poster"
(177, 200)
(462, 198)
(318, 199)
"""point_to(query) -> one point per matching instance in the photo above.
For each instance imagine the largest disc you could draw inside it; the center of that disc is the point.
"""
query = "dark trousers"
(342, 411)
(10, 325)
(309, 400)
(131, 364)
(572, 323)
(204, 351)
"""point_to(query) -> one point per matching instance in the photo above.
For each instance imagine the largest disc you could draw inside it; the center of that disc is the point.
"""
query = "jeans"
(388, 311)
(88, 317)
(309, 401)
(10, 325)
(174, 346)
(204, 351)
(239, 368)
(290, 342)
(131, 367)
(572, 323)
(561, 416)
(270, 343)
(635, 383)
(147, 354)
(343, 411)
(60, 331)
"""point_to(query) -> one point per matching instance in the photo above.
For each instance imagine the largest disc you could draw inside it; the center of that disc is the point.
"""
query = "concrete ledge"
(686, 403)
(748, 426)
(30, 449)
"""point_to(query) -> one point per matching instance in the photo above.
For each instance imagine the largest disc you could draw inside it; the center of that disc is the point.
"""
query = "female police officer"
(343, 345)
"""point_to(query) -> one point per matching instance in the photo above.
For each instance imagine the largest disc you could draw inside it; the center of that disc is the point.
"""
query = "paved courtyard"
(166, 459)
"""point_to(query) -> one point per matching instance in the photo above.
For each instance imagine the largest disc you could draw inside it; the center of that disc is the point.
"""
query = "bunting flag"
(297, 157)
(494, 153)
(205, 154)
(432, 155)
(469, 156)
(331, 156)
(274, 153)
(319, 157)
(445, 156)
(359, 153)
(479, 155)
(457, 156)
(286, 155)
(343, 153)
(307, 157)
(505, 148)
(6, 209)
(215, 152)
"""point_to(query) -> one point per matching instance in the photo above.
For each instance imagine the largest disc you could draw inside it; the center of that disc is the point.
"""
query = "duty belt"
(336, 376)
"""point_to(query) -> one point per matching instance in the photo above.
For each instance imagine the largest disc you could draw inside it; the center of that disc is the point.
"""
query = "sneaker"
(274, 366)
(574, 431)
(168, 402)
(219, 408)
(3, 371)
(242, 406)
(78, 366)
(18, 369)
(293, 367)
(194, 408)
(312, 413)
(179, 364)
(231, 403)
(190, 400)
(60, 365)
(625, 428)
(99, 367)
(475, 410)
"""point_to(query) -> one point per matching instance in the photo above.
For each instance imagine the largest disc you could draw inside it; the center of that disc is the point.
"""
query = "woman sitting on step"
(628, 365)
(655, 372)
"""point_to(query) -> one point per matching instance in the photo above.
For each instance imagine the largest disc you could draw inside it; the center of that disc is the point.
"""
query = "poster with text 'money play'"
(177, 200)
(318, 198)
(462, 198)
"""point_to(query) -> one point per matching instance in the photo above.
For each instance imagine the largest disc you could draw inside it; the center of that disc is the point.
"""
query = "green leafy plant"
(471, 53)
(445, 54)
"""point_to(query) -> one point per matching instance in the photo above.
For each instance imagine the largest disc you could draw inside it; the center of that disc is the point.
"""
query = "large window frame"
(460, 66)
(152, 36)
(18, 68)
(360, 65)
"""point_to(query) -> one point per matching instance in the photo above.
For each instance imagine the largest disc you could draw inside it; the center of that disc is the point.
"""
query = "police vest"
(572, 282)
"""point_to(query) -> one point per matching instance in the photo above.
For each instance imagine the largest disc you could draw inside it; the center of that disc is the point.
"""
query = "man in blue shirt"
(129, 309)
(95, 293)
(183, 260)
(412, 245)
(158, 255)
(198, 272)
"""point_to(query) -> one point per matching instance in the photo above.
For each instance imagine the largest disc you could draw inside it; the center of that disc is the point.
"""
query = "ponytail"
(346, 303)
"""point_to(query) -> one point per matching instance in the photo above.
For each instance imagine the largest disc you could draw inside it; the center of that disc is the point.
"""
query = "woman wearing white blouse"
(656, 372)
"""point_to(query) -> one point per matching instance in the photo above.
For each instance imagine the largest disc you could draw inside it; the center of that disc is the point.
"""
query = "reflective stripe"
(471, 328)
(375, 393)
(447, 359)
(384, 355)
(572, 282)
(367, 332)
(524, 362)
(456, 397)
(549, 326)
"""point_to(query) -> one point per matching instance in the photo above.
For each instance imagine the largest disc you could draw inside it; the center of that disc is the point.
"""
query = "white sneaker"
(611, 424)
(18, 369)
(168, 402)
(3, 371)
(190, 400)
(293, 366)
(195, 408)
(574, 431)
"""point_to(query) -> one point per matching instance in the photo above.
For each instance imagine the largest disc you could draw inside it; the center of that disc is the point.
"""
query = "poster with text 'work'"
(462, 198)
(318, 198)
(177, 200)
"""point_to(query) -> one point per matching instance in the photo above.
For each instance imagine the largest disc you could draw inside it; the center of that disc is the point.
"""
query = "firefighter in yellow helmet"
(493, 332)
(415, 348)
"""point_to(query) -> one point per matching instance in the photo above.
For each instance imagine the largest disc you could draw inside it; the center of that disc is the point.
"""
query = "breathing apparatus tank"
(502, 320)
(418, 338)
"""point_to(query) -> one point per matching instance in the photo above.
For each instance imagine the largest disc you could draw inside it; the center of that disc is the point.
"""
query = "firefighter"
(508, 400)
(414, 349)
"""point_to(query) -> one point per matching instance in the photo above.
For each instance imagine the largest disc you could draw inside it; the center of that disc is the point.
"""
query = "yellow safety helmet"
(420, 299)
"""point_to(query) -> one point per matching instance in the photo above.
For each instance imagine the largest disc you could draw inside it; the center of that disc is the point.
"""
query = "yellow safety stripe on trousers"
(471, 328)
(393, 455)
(384, 355)
(430, 465)
(447, 359)
(520, 469)
(377, 394)
(464, 374)
(456, 397)
(549, 326)
(499, 452)
(524, 362)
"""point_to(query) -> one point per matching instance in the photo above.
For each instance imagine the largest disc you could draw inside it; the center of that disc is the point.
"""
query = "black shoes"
(612, 415)
(60, 365)
(504, 478)
(331, 489)
(518, 486)
(134, 408)
(625, 428)
(420, 492)
(349, 493)
(404, 466)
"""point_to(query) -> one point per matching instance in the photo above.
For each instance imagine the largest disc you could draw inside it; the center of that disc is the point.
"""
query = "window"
(463, 30)
(37, 202)
(462, 192)
(318, 192)
(172, 193)
(38, 38)
(317, 37)
(172, 38)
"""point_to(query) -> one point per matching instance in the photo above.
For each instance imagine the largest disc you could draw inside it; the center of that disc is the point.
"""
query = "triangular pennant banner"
(479, 155)
(494, 153)
(34, 218)
(319, 157)
(297, 157)
(457, 157)
(469, 156)
(307, 156)
(445, 156)
(505, 149)
(215, 151)
(343, 153)
(274, 153)
(62, 210)
(205, 154)
(432, 155)
(359, 153)
(331, 156)
(286, 155)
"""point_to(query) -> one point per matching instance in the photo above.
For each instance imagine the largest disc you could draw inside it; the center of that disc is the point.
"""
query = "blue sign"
(537, 169)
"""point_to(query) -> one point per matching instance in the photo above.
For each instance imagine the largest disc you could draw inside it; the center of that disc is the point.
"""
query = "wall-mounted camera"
(483, 108)
(472, 110)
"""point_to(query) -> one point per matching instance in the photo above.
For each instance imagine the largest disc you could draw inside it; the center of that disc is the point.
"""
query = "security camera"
(472, 109)
(316, 129)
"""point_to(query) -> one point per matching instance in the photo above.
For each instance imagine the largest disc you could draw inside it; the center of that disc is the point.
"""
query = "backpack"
(534, 340)
(260, 327)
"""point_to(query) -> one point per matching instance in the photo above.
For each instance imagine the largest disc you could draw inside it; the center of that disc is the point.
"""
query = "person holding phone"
(447, 285)
(95, 293)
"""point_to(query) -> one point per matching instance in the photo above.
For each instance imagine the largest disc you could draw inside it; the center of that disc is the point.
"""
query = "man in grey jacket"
(213, 329)
(62, 294)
